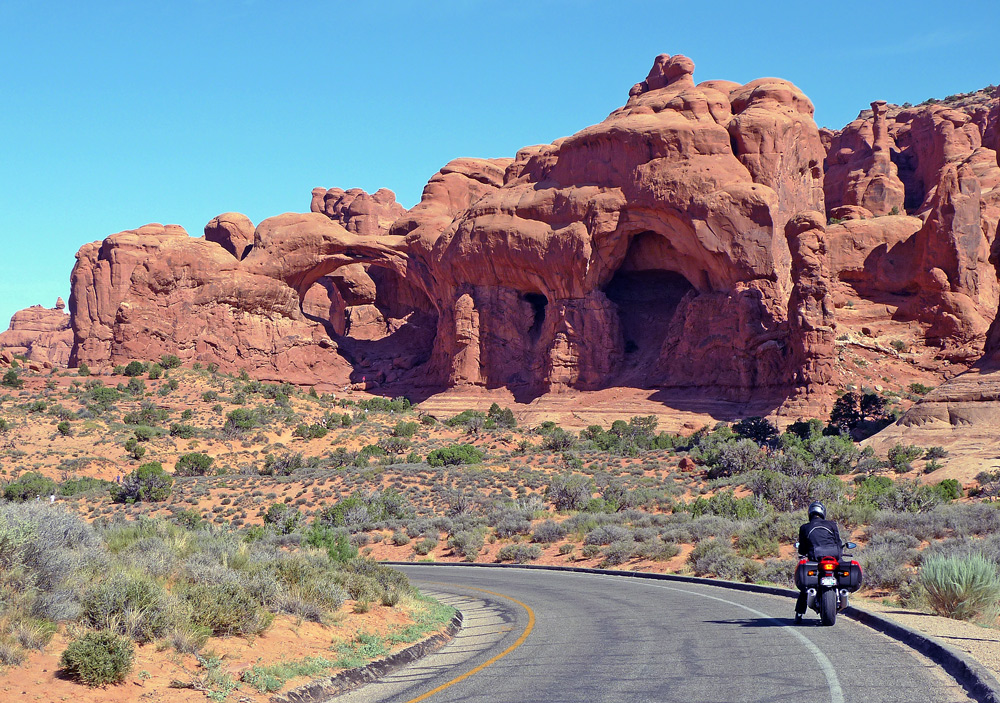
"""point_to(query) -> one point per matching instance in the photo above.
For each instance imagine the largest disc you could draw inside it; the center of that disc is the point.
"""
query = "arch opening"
(382, 324)
(646, 294)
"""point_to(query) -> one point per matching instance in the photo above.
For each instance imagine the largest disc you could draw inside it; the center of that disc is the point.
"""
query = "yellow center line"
(494, 660)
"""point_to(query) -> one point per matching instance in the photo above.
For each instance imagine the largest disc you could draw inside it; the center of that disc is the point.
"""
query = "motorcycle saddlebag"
(807, 575)
(849, 574)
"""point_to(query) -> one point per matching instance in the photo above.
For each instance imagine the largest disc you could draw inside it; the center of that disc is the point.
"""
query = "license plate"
(828, 581)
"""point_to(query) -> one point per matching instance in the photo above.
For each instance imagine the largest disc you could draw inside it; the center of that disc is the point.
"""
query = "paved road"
(549, 637)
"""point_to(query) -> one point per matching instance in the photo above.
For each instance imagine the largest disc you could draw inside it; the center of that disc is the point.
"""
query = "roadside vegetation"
(174, 505)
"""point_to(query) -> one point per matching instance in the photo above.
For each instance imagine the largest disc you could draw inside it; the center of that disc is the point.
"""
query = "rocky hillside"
(706, 240)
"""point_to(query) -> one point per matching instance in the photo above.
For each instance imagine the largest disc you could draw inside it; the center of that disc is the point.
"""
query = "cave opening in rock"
(538, 303)
(647, 298)
(382, 323)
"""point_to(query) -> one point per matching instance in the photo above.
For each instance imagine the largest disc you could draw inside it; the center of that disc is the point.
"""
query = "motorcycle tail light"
(829, 566)
(811, 572)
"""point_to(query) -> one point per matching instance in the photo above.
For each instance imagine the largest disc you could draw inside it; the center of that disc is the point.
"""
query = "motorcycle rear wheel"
(828, 607)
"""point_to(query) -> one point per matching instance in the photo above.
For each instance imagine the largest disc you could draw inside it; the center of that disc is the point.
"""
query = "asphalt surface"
(552, 637)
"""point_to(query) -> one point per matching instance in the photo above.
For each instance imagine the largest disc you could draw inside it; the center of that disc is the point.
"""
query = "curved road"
(551, 636)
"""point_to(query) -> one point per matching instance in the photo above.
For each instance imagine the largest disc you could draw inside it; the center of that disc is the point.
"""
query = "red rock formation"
(42, 335)
(678, 244)
(233, 231)
(357, 211)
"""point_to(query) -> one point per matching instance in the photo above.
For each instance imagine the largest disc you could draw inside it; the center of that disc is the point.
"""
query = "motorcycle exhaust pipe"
(811, 597)
(843, 598)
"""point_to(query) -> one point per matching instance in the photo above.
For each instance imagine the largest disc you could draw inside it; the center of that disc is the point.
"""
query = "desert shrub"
(454, 455)
(130, 604)
(963, 588)
(569, 492)
(170, 361)
(149, 482)
(900, 456)
(755, 543)
(948, 489)
(758, 429)
(193, 464)
(425, 546)
(471, 420)
(734, 458)
(64, 428)
(501, 418)
(182, 431)
(134, 368)
(314, 431)
(519, 553)
(12, 379)
(724, 504)
(84, 484)
(394, 445)
(618, 552)
(400, 539)
(467, 543)
(794, 492)
(859, 414)
(778, 571)
(712, 557)
(405, 429)
(82, 370)
(606, 534)
(239, 421)
(155, 371)
(282, 517)
(28, 486)
(98, 658)
(135, 387)
(558, 440)
(227, 609)
(284, 465)
(885, 558)
(547, 532)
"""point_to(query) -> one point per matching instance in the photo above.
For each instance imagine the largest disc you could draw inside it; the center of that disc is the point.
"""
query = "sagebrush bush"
(227, 609)
(519, 553)
(467, 543)
(606, 534)
(98, 658)
(129, 604)
(548, 531)
(716, 558)
(964, 588)
(885, 559)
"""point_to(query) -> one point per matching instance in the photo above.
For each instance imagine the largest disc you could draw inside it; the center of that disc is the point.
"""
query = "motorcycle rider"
(817, 538)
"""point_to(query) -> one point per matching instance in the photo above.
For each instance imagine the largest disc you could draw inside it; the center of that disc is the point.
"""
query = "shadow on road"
(763, 622)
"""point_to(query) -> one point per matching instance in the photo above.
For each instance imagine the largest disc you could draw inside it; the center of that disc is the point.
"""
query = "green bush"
(193, 464)
(82, 370)
(170, 361)
(961, 587)
(282, 517)
(454, 455)
(149, 482)
(130, 604)
(239, 421)
(12, 379)
(98, 658)
(182, 431)
(134, 368)
(467, 544)
(570, 492)
(29, 485)
(64, 428)
(519, 553)
(227, 609)
(405, 429)
(900, 456)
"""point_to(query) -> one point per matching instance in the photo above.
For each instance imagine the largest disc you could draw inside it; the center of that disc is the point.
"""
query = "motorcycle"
(827, 583)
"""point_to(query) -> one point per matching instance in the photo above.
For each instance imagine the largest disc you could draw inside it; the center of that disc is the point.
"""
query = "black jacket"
(820, 538)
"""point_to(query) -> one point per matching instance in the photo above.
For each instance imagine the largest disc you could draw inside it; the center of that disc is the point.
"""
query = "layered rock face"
(682, 243)
(41, 334)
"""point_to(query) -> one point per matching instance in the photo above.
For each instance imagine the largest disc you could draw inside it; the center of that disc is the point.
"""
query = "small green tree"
(193, 464)
(148, 483)
(134, 368)
(12, 379)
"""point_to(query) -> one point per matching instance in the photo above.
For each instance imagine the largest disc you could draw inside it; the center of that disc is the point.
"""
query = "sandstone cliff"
(706, 238)
(41, 334)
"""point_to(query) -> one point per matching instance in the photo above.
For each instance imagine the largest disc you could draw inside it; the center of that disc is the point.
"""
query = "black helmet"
(816, 508)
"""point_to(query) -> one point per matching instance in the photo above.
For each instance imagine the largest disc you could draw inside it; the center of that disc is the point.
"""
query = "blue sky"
(115, 114)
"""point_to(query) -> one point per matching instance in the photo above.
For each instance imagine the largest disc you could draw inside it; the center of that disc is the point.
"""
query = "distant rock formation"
(41, 334)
